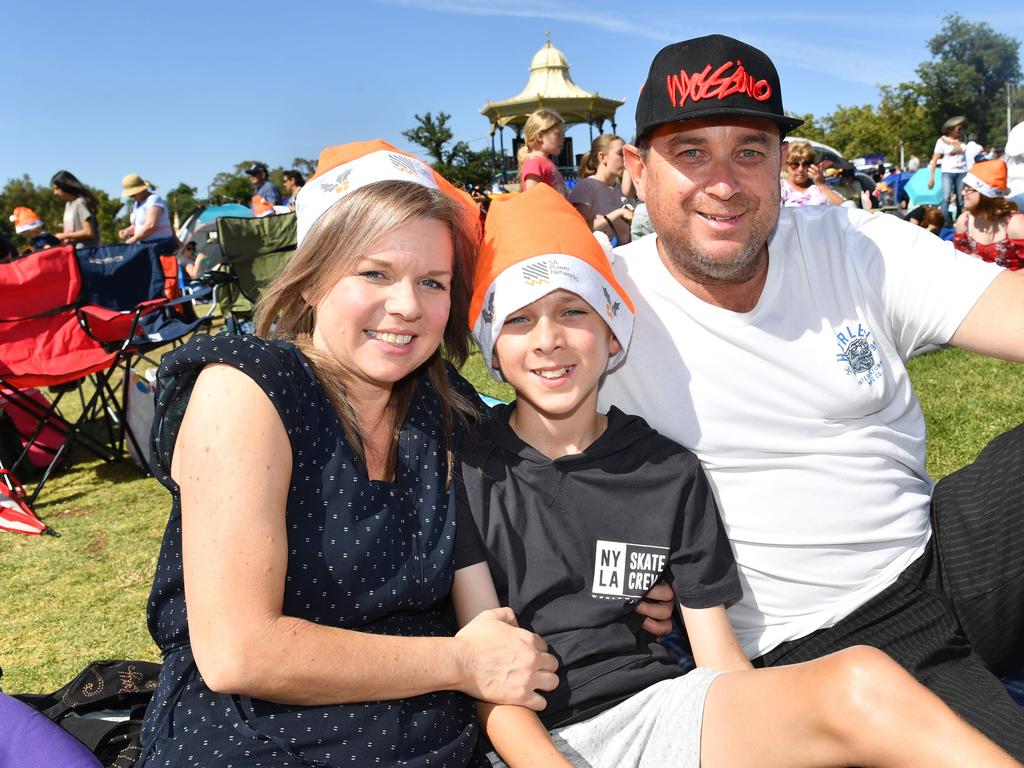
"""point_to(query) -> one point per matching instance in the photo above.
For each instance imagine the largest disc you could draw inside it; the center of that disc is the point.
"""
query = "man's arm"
(995, 324)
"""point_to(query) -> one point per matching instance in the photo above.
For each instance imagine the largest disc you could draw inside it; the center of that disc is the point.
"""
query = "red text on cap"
(718, 84)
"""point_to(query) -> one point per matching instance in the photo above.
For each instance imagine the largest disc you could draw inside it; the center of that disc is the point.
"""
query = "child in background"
(30, 226)
(543, 137)
(568, 516)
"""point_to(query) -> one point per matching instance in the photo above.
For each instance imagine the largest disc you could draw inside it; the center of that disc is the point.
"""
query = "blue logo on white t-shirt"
(858, 351)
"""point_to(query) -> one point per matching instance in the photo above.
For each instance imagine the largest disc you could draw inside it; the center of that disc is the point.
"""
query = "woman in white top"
(949, 151)
(149, 217)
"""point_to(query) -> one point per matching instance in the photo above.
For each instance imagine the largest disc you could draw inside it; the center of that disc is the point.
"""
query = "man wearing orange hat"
(773, 344)
(30, 226)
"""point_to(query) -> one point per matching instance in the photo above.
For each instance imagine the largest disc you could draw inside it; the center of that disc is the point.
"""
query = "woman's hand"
(504, 664)
(124, 234)
(817, 175)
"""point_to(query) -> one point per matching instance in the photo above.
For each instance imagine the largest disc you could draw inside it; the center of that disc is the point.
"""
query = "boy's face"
(553, 353)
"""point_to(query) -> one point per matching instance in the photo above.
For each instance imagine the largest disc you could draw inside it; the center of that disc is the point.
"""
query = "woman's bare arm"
(233, 465)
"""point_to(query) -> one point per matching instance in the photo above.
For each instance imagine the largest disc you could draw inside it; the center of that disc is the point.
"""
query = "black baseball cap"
(255, 168)
(708, 76)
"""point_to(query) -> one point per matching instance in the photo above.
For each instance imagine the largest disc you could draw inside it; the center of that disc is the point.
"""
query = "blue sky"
(177, 92)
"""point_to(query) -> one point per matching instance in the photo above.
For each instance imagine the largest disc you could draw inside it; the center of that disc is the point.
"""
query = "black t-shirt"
(574, 543)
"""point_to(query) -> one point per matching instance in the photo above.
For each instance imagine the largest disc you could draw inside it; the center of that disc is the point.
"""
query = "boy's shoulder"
(627, 444)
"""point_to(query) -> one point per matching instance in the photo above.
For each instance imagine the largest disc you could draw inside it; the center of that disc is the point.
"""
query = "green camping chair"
(254, 251)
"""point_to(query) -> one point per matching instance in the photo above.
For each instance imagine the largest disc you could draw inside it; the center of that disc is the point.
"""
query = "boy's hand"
(657, 607)
(504, 664)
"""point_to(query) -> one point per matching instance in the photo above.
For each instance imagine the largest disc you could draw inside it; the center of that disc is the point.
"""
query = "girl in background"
(544, 135)
(81, 227)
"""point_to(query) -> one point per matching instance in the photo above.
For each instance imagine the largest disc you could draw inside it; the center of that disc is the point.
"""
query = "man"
(772, 343)
(265, 195)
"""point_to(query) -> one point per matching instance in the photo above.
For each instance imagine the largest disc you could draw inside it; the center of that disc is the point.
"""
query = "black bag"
(123, 686)
(10, 444)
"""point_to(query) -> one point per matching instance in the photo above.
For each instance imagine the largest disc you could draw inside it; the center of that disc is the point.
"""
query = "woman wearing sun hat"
(149, 217)
(991, 227)
(312, 526)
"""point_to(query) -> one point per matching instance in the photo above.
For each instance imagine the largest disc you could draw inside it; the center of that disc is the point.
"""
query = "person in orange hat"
(568, 516)
(991, 227)
(30, 226)
(310, 471)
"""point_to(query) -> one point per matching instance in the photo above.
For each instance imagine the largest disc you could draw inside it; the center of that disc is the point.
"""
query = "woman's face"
(552, 139)
(971, 197)
(61, 193)
(386, 315)
(798, 171)
(612, 159)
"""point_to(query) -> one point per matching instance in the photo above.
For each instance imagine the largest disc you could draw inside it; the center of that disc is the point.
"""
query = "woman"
(991, 227)
(598, 194)
(310, 529)
(81, 227)
(543, 137)
(805, 183)
(949, 154)
(149, 217)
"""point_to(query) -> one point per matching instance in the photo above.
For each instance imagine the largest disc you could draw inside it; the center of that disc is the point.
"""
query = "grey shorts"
(657, 727)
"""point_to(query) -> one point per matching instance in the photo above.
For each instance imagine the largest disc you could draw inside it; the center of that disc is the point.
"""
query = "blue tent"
(917, 189)
(214, 212)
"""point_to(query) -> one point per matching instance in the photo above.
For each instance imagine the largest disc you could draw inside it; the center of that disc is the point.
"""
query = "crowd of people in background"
(602, 192)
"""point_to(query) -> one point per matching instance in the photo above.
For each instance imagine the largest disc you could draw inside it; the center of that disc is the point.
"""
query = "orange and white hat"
(535, 243)
(344, 168)
(989, 178)
(25, 219)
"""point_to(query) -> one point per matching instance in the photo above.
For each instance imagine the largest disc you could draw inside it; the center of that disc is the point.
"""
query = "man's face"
(257, 178)
(712, 191)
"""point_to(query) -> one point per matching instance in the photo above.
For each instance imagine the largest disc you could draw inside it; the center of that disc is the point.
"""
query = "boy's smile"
(553, 352)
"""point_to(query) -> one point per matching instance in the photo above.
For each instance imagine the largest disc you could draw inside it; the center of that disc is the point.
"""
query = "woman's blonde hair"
(343, 235)
(800, 150)
(590, 160)
(540, 120)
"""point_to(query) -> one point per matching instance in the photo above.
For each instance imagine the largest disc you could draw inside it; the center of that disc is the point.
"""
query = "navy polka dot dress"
(368, 555)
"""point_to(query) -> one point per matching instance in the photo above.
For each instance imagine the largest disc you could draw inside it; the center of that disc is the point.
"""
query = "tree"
(811, 129)
(304, 165)
(968, 76)
(458, 163)
(232, 186)
(182, 201)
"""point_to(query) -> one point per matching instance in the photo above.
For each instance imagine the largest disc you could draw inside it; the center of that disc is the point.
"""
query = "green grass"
(67, 601)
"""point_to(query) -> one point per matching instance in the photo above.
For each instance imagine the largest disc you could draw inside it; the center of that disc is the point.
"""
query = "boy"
(30, 226)
(569, 516)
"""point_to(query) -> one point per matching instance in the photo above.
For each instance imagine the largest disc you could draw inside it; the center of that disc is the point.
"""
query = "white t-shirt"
(952, 157)
(801, 410)
(163, 220)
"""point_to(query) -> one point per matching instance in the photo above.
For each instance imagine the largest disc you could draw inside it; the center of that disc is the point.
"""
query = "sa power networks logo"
(626, 570)
(859, 352)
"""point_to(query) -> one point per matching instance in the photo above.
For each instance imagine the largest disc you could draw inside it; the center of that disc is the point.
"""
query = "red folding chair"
(43, 344)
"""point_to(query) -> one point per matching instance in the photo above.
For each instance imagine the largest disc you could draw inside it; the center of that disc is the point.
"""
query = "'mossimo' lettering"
(718, 84)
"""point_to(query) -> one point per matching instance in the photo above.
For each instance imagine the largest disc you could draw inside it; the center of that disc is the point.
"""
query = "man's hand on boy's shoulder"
(657, 607)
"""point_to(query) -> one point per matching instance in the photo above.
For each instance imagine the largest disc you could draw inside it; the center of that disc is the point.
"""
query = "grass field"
(66, 601)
